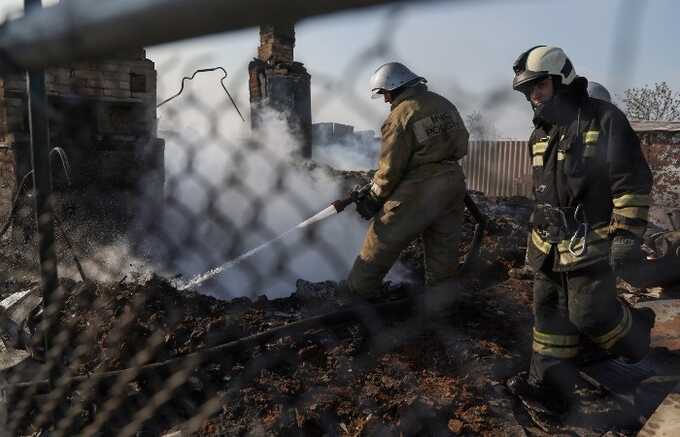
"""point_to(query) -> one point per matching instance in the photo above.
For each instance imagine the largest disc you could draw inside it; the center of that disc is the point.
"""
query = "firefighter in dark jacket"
(592, 190)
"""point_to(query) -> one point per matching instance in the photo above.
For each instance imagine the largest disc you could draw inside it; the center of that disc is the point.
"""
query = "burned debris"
(333, 373)
(303, 389)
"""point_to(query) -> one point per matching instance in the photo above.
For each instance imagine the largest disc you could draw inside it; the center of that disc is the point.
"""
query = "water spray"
(335, 208)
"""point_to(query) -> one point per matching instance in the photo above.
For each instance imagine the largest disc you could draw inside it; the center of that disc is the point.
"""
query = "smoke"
(356, 153)
(225, 196)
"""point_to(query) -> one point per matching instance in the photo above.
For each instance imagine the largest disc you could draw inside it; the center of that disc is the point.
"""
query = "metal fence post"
(42, 179)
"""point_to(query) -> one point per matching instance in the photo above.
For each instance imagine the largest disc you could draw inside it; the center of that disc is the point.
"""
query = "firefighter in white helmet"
(419, 187)
(598, 91)
(591, 186)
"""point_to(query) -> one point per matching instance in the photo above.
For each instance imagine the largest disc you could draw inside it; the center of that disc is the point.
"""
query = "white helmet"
(598, 91)
(390, 76)
(541, 62)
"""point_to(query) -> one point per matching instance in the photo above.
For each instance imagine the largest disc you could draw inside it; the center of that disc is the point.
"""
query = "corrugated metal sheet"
(498, 168)
(503, 168)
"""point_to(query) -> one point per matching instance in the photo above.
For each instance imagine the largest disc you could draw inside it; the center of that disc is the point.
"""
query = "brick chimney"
(278, 82)
(276, 43)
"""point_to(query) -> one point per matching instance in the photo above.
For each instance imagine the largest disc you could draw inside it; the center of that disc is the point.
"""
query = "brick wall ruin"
(7, 180)
(103, 114)
(278, 82)
(661, 145)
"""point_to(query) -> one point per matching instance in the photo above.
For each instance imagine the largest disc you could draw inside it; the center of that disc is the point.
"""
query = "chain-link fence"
(181, 278)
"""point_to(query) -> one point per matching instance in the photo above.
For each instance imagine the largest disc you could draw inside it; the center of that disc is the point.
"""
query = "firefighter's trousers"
(582, 303)
(432, 207)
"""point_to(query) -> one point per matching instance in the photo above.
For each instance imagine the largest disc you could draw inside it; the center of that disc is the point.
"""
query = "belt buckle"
(556, 217)
(550, 237)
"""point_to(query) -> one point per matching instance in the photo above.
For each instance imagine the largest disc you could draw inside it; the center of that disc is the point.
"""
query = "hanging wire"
(204, 70)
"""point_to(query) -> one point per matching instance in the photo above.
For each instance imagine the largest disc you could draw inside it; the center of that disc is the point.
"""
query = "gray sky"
(465, 49)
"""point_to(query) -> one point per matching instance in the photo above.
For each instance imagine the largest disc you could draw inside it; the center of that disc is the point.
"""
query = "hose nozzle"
(357, 193)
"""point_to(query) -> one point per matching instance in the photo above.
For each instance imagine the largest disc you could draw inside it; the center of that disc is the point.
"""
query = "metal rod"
(204, 70)
(70, 246)
(15, 203)
(42, 178)
(80, 29)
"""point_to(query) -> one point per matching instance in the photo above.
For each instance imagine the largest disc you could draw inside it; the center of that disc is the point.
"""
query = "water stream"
(198, 279)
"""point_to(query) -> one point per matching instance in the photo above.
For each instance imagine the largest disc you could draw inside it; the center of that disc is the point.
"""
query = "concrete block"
(116, 75)
(60, 90)
(108, 84)
(16, 85)
(112, 67)
(88, 74)
(94, 83)
(12, 102)
(666, 419)
(120, 93)
(90, 92)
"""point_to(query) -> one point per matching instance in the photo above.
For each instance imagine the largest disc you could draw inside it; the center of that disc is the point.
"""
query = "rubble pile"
(408, 378)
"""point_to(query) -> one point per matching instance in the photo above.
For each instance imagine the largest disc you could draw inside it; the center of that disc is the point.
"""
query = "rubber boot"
(635, 345)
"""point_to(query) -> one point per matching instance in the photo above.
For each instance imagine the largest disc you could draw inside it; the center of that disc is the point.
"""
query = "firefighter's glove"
(625, 250)
(368, 206)
(359, 192)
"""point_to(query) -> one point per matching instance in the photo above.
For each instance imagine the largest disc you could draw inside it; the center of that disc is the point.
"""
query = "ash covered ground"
(400, 368)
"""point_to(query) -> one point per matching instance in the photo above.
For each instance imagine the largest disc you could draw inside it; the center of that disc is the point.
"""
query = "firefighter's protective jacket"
(422, 187)
(421, 137)
(588, 164)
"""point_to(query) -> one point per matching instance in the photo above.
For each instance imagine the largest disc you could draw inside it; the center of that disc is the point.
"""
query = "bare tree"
(659, 103)
(479, 127)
